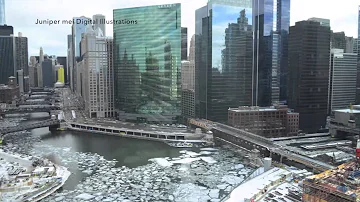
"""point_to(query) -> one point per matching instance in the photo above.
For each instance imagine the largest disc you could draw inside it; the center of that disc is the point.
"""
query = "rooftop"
(344, 179)
(250, 188)
(354, 111)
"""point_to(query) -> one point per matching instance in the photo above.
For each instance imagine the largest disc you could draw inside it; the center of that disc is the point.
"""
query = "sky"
(23, 14)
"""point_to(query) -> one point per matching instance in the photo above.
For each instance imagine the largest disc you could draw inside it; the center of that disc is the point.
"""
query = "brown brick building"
(9, 92)
(274, 121)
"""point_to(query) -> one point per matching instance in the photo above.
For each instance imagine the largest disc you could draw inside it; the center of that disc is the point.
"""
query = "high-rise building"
(147, 63)
(14, 56)
(188, 84)
(33, 80)
(61, 74)
(69, 61)
(322, 21)
(7, 67)
(62, 60)
(358, 69)
(308, 79)
(99, 22)
(223, 63)
(6, 30)
(40, 59)
(355, 46)
(338, 40)
(187, 75)
(271, 21)
(97, 74)
(21, 52)
(184, 44)
(350, 42)
(77, 29)
(2, 12)
(20, 80)
(47, 75)
(342, 85)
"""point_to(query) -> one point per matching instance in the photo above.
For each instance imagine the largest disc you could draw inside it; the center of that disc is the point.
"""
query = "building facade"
(265, 121)
(358, 69)
(350, 42)
(309, 56)
(77, 30)
(9, 92)
(342, 85)
(184, 43)
(224, 63)
(271, 20)
(2, 12)
(147, 63)
(97, 74)
(47, 73)
(21, 52)
(6, 30)
(7, 58)
(338, 40)
(14, 56)
(99, 22)
(322, 21)
(20, 80)
(62, 60)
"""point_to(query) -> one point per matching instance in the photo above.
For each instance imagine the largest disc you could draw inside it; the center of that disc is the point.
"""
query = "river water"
(90, 157)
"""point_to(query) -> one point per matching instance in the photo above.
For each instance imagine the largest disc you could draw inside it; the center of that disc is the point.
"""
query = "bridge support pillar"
(281, 158)
(54, 127)
(270, 155)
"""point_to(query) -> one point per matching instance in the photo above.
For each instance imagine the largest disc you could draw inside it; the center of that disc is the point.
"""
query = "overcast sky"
(22, 15)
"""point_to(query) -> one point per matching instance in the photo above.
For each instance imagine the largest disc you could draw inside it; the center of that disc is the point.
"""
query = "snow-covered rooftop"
(249, 189)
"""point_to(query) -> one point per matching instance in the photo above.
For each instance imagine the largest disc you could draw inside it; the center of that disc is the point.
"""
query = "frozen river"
(108, 168)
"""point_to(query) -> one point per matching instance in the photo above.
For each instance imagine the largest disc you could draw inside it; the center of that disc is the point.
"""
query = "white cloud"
(22, 14)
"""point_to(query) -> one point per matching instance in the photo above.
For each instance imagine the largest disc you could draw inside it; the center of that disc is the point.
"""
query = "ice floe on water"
(207, 175)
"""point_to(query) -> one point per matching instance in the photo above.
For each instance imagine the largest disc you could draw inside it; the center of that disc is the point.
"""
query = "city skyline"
(53, 38)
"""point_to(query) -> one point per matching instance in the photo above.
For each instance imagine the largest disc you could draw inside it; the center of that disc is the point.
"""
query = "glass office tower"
(224, 58)
(271, 29)
(2, 12)
(147, 63)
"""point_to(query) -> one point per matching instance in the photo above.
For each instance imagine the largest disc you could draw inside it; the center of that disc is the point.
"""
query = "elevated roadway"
(29, 109)
(22, 127)
(249, 141)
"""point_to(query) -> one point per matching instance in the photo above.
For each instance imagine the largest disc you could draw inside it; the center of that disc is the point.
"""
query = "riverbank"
(22, 180)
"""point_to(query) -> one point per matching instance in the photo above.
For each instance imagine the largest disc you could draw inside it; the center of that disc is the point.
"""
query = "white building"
(342, 82)
(97, 74)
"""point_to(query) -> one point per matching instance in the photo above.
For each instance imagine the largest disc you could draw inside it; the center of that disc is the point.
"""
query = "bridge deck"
(22, 127)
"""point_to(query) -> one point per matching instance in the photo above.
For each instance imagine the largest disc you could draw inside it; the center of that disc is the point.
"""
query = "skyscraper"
(97, 74)
(14, 56)
(342, 85)
(224, 58)
(338, 40)
(77, 30)
(271, 20)
(21, 52)
(6, 30)
(47, 74)
(350, 45)
(99, 22)
(358, 69)
(184, 39)
(147, 62)
(308, 79)
(2, 12)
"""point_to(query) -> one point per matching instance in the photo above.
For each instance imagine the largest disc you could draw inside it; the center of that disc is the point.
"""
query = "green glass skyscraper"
(147, 63)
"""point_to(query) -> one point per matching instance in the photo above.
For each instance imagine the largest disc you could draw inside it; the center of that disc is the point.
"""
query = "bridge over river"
(52, 123)
(224, 134)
